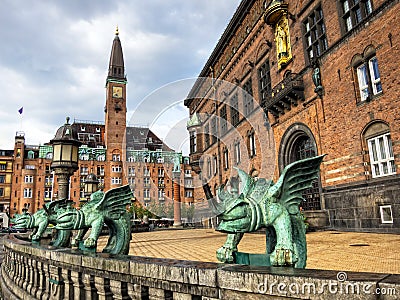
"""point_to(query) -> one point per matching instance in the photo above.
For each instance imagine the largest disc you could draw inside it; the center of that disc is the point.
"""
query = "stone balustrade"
(42, 272)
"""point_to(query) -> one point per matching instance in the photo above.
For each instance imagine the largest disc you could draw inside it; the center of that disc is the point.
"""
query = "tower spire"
(116, 68)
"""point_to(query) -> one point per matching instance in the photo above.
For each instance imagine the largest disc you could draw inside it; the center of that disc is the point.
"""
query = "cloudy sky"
(54, 57)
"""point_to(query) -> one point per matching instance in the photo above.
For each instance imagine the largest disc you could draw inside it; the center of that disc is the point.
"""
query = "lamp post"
(65, 156)
(91, 185)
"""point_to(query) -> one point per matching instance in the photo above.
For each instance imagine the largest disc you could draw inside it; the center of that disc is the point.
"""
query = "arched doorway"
(297, 143)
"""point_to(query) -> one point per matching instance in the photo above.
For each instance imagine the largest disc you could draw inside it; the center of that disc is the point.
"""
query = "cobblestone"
(328, 250)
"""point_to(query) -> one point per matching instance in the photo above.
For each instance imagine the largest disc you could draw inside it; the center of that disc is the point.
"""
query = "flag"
(21, 110)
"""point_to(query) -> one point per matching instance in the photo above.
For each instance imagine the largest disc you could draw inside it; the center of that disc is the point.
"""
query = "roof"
(138, 138)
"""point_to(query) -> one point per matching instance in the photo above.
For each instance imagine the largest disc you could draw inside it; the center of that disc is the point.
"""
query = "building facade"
(116, 153)
(290, 80)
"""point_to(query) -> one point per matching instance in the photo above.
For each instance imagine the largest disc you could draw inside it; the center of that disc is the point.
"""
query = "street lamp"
(91, 185)
(65, 156)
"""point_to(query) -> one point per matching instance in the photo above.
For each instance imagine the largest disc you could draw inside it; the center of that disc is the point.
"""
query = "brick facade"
(292, 118)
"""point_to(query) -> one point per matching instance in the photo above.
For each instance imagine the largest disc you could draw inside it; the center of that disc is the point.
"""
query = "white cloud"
(54, 57)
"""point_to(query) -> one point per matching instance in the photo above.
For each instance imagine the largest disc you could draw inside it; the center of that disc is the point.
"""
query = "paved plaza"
(329, 250)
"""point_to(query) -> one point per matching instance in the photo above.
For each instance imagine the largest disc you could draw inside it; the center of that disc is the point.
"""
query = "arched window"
(298, 143)
(378, 143)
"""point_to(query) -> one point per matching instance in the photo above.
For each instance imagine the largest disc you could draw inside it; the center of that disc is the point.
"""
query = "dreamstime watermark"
(338, 286)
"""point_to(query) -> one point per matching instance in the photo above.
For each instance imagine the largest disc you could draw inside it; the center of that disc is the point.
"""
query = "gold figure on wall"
(282, 38)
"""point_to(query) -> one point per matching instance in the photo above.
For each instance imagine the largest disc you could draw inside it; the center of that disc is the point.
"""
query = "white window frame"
(28, 179)
(237, 153)
(366, 77)
(27, 193)
(252, 144)
(382, 210)
(116, 180)
(379, 158)
(116, 169)
(374, 81)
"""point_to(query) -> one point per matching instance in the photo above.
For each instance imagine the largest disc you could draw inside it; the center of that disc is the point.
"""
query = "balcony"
(284, 95)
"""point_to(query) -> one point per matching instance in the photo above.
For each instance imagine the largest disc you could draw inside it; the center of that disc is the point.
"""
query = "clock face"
(117, 92)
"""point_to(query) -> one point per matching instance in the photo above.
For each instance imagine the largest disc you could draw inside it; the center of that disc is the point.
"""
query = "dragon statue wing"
(114, 202)
(295, 178)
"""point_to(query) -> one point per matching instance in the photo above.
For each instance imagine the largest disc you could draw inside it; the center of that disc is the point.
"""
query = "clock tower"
(115, 114)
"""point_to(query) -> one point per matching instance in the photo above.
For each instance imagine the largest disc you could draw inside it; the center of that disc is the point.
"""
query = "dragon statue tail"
(118, 229)
(299, 239)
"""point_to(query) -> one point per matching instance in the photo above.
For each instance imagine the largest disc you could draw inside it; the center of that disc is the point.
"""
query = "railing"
(43, 272)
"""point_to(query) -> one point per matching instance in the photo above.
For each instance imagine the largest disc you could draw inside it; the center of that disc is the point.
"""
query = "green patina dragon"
(261, 203)
(103, 208)
(42, 218)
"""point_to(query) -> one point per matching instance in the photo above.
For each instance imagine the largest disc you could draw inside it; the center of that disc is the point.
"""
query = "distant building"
(307, 78)
(116, 153)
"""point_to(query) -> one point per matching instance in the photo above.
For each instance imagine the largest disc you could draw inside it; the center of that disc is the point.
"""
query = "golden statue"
(282, 38)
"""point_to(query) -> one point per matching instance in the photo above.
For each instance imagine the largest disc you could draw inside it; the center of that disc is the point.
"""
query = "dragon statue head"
(237, 212)
(21, 221)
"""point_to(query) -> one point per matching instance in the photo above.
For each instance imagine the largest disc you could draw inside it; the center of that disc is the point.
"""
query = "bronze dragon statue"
(42, 218)
(261, 203)
(103, 208)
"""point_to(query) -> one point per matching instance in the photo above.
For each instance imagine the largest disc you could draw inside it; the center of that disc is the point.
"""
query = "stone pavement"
(328, 250)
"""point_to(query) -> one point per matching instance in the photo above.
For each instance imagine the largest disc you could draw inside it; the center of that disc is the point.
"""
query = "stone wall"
(356, 207)
(35, 272)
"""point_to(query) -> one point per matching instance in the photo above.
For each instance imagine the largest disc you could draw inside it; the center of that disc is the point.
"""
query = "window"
(2, 178)
(146, 194)
(235, 110)
(386, 214)
(214, 130)
(28, 179)
(116, 180)
(82, 193)
(248, 98)
(207, 135)
(188, 183)
(116, 157)
(84, 170)
(264, 78)
(161, 182)
(381, 156)
(353, 12)
(369, 79)
(224, 118)
(100, 170)
(131, 180)
(116, 169)
(146, 181)
(101, 157)
(131, 171)
(315, 34)
(226, 159)
(146, 172)
(237, 153)
(252, 144)
(215, 164)
(209, 167)
(28, 193)
(193, 141)
(161, 172)
(1, 192)
(189, 194)
(161, 194)
(47, 193)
